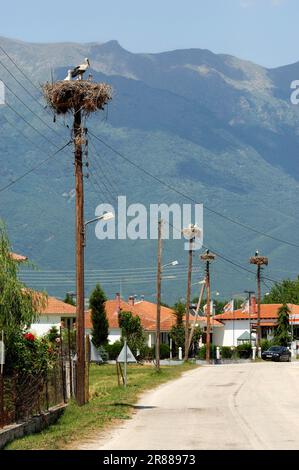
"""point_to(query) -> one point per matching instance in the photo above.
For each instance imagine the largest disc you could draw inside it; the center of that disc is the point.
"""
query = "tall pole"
(190, 256)
(196, 315)
(208, 288)
(250, 294)
(207, 258)
(80, 376)
(159, 270)
(259, 261)
(258, 329)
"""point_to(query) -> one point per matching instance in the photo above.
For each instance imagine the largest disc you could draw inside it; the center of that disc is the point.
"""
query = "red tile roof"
(19, 258)
(147, 312)
(267, 311)
(203, 320)
(58, 307)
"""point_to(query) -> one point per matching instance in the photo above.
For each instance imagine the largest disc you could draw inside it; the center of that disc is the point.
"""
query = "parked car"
(277, 353)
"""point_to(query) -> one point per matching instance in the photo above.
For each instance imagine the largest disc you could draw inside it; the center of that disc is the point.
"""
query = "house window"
(68, 322)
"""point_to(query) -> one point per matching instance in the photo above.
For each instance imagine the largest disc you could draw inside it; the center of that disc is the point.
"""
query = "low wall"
(33, 425)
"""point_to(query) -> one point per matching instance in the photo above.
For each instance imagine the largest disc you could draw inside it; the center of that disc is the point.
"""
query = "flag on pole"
(211, 308)
(229, 307)
(245, 307)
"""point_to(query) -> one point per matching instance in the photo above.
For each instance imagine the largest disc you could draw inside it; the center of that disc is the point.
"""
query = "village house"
(147, 312)
(239, 326)
(54, 314)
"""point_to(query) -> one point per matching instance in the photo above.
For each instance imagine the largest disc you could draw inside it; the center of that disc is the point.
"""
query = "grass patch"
(108, 403)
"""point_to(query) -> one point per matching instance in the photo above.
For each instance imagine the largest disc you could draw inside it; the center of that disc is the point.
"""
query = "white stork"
(69, 75)
(80, 70)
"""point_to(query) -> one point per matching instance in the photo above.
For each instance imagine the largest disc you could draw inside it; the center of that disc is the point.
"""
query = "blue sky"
(264, 31)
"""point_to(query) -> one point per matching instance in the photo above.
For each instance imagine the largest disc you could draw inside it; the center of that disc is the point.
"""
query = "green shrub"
(150, 353)
(147, 353)
(226, 352)
(202, 352)
(114, 349)
(266, 344)
(244, 350)
(164, 351)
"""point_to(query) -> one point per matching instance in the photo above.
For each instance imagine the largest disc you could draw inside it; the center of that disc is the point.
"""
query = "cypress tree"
(281, 333)
(100, 325)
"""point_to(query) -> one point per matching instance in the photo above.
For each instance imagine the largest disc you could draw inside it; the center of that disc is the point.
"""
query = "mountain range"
(216, 128)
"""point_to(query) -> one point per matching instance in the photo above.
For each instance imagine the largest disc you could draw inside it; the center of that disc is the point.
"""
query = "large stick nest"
(69, 96)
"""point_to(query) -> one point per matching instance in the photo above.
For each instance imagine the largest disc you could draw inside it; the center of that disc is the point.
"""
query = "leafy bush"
(147, 353)
(202, 352)
(266, 344)
(226, 352)
(164, 351)
(114, 349)
(29, 355)
(244, 350)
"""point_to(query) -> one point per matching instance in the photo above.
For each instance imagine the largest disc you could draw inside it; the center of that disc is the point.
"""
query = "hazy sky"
(265, 31)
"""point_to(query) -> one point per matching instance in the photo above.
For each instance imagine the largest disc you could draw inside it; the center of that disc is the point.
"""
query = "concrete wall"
(44, 324)
(228, 335)
(33, 425)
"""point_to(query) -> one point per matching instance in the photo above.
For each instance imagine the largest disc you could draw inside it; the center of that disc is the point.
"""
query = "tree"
(177, 332)
(100, 325)
(286, 291)
(132, 330)
(19, 306)
(69, 299)
(282, 331)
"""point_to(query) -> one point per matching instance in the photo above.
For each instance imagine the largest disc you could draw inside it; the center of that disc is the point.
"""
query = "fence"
(24, 395)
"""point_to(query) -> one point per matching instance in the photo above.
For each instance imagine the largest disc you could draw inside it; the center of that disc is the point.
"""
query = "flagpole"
(233, 325)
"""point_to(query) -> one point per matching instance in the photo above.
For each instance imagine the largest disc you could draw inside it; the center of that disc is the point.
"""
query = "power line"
(19, 68)
(245, 226)
(224, 258)
(33, 112)
(32, 169)
(29, 124)
(172, 188)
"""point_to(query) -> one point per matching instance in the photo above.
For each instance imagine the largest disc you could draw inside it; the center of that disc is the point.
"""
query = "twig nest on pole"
(68, 96)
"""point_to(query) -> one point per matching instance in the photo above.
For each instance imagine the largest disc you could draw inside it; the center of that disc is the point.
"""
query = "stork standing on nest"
(69, 75)
(80, 70)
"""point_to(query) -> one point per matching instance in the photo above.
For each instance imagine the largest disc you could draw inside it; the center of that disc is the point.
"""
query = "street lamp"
(172, 263)
(200, 282)
(81, 394)
(159, 279)
(106, 216)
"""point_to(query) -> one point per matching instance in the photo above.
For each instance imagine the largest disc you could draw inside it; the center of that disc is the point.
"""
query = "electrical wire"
(4, 188)
(186, 196)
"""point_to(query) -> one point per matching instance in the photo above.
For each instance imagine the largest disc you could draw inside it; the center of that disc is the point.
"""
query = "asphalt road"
(236, 406)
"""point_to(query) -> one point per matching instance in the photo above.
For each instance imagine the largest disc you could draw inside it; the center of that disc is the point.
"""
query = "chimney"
(117, 298)
(131, 300)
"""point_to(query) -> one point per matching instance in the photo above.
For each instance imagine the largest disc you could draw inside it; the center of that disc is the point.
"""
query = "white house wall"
(228, 335)
(44, 324)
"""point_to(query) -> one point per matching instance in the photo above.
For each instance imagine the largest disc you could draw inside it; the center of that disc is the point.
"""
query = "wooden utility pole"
(259, 261)
(78, 96)
(159, 271)
(190, 256)
(80, 374)
(208, 258)
(196, 315)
